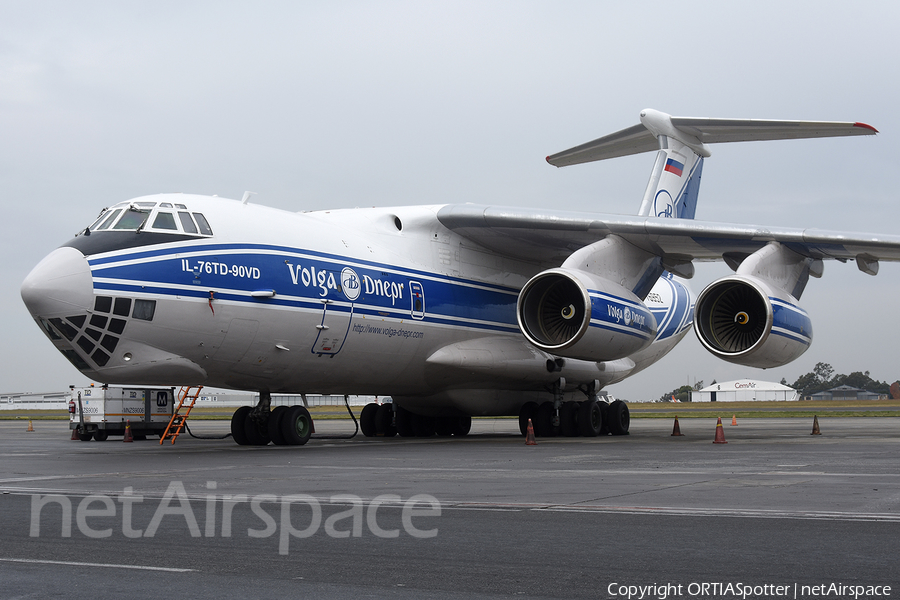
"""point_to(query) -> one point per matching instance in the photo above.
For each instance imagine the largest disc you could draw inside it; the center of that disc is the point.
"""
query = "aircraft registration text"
(219, 268)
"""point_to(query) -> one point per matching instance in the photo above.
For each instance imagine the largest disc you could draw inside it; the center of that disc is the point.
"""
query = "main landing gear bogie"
(589, 418)
(386, 420)
(284, 426)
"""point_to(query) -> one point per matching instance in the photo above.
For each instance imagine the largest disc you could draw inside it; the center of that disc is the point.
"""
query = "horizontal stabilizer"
(714, 131)
(633, 140)
(696, 131)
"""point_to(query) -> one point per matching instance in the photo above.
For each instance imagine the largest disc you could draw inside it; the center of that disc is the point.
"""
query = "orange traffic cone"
(720, 433)
(733, 420)
(815, 430)
(677, 430)
(30, 426)
(529, 435)
(128, 437)
(75, 434)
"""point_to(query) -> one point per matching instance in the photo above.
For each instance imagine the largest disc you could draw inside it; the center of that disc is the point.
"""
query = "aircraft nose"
(59, 285)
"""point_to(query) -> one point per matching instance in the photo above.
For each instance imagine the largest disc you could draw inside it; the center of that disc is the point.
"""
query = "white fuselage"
(363, 301)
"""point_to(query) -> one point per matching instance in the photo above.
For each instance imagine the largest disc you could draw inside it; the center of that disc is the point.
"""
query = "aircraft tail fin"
(682, 144)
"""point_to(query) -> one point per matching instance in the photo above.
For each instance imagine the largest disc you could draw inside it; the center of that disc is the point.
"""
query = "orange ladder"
(176, 423)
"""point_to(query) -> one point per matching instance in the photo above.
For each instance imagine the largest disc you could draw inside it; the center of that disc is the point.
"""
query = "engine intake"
(747, 321)
(580, 315)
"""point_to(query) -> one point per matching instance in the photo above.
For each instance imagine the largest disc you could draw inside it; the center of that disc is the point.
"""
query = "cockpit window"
(132, 218)
(103, 214)
(109, 220)
(187, 223)
(165, 220)
(205, 229)
(155, 216)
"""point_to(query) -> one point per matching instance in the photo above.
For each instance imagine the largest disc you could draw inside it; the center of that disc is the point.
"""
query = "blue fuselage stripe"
(303, 279)
(300, 279)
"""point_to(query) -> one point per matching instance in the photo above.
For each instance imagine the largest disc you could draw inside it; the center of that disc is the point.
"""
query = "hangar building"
(744, 390)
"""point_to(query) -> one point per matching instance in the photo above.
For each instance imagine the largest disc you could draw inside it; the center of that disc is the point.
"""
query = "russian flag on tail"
(673, 166)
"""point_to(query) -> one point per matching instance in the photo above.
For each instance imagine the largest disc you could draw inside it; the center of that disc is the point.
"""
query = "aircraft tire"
(384, 421)
(367, 419)
(443, 426)
(568, 419)
(296, 425)
(590, 418)
(257, 434)
(604, 410)
(237, 425)
(461, 426)
(526, 412)
(543, 420)
(404, 422)
(619, 418)
(274, 425)
(423, 426)
(101, 435)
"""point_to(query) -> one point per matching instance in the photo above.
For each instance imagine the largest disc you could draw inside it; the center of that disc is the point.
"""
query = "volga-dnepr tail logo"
(664, 205)
(350, 283)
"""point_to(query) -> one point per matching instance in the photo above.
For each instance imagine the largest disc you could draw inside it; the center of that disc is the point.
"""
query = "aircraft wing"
(548, 236)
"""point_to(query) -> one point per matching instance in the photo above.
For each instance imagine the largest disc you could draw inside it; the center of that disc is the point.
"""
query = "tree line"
(823, 378)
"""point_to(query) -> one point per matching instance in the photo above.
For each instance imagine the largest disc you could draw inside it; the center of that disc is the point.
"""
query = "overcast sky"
(339, 104)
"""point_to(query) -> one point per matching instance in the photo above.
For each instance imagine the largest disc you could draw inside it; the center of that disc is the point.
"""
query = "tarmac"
(773, 513)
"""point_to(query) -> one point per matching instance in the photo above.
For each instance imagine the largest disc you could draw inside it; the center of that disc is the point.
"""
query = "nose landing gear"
(257, 426)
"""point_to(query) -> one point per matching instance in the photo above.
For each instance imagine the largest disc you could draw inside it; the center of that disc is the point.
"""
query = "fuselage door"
(238, 337)
(417, 296)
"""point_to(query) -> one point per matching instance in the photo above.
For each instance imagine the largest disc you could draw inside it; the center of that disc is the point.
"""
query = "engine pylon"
(720, 433)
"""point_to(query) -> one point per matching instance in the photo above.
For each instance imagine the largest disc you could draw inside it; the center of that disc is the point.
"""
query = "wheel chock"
(815, 430)
(128, 437)
(676, 431)
(720, 433)
(733, 420)
(529, 435)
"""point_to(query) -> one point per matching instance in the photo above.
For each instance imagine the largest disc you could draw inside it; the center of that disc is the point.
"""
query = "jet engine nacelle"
(747, 321)
(575, 314)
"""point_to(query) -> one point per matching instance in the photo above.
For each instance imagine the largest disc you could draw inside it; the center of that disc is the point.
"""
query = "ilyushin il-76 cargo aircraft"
(452, 311)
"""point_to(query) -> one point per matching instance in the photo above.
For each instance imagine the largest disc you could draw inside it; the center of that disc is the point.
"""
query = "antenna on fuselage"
(247, 197)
